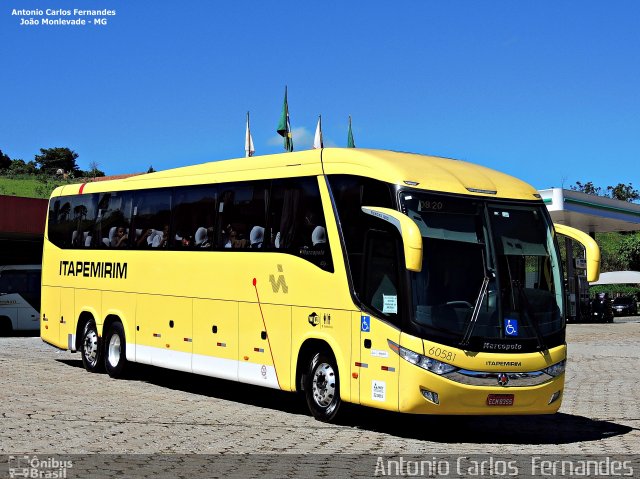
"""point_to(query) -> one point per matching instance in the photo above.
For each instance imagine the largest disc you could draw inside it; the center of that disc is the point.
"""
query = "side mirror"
(409, 231)
(590, 246)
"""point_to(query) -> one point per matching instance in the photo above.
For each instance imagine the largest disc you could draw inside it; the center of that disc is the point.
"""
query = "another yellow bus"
(399, 281)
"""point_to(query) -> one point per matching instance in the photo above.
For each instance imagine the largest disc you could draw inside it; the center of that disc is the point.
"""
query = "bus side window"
(296, 221)
(243, 211)
(114, 216)
(61, 222)
(84, 220)
(151, 219)
(350, 193)
(194, 217)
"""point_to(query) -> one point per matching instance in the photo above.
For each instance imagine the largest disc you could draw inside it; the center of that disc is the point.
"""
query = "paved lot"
(50, 405)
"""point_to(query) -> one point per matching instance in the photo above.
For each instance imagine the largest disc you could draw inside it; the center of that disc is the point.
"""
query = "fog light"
(430, 396)
(555, 396)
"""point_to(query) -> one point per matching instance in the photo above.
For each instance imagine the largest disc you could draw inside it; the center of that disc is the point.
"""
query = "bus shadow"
(558, 428)
(76, 363)
(549, 429)
(219, 388)
(210, 387)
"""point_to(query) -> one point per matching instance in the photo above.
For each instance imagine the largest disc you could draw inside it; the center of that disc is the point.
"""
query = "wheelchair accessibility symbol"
(511, 327)
(365, 324)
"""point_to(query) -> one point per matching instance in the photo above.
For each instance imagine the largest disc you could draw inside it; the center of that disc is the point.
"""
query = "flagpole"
(248, 141)
(318, 141)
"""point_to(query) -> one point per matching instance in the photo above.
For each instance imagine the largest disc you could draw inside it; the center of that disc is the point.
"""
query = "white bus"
(19, 298)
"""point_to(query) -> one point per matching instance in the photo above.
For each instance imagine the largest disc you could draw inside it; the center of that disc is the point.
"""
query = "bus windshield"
(490, 278)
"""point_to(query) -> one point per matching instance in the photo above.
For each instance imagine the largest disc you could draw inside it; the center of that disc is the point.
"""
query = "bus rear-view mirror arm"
(590, 246)
(409, 231)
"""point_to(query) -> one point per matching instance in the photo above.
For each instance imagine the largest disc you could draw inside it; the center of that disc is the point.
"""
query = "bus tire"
(91, 348)
(322, 387)
(115, 351)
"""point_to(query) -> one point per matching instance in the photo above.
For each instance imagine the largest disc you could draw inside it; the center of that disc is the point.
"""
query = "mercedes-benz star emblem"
(503, 379)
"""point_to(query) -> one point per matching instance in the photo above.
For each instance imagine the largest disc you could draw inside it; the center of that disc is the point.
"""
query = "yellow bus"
(398, 281)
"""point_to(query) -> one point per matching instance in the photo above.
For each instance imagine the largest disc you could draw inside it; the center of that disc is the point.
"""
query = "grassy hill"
(30, 186)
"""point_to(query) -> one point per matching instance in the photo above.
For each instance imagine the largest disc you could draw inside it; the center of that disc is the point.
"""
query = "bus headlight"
(557, 369)
(425, 362)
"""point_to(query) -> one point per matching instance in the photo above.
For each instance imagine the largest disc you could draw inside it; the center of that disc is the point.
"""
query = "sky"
(547, 91)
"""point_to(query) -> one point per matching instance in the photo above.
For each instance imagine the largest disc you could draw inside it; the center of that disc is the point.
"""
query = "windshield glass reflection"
(489, 272)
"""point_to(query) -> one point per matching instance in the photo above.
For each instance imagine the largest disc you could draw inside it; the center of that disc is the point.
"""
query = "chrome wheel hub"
(90, 347)
(113, 351)
(324, 385)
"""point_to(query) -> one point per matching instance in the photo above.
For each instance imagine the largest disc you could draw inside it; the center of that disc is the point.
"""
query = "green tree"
(588, 188)
(623, 192)
(93, 170)
(610, 259)
(630, 251)
(151, 170)
(5, 161)
(19, 167)
(619, 192)
(50, 160)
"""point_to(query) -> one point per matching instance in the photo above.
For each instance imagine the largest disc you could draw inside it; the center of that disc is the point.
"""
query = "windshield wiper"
(471, 323)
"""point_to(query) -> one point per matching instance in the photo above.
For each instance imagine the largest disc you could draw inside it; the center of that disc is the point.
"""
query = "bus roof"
(419, 171)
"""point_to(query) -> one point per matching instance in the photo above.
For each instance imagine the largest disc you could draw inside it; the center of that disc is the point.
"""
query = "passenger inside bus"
(201, 238)
(120, 238)
(256, 237)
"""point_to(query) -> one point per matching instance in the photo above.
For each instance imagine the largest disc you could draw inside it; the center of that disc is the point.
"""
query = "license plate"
(500, 400)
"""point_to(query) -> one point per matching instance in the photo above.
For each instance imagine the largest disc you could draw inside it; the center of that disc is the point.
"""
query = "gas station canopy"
(618, 277)
(590, 213)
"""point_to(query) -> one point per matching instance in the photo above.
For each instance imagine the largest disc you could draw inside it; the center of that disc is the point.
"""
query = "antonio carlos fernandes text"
(53, 12)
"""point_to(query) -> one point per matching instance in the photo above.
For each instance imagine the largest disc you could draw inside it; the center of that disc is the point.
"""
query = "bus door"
(380, 292)
(379, 365)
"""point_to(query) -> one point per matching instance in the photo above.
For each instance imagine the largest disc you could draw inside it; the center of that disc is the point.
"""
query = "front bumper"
(464, 399)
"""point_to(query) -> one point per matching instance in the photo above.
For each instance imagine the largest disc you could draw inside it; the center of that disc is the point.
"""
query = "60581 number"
(442, 354)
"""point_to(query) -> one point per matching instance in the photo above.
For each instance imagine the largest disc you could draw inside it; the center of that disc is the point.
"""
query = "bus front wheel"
(115, 359)
(322, 387)
(91, 348)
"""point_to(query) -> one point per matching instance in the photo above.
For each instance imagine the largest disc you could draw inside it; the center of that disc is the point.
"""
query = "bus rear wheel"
(115, 352)
(91, 348)
(322, 387)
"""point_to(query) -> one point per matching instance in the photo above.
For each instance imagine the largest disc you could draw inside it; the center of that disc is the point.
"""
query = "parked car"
(601, 308)
(625, 306)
